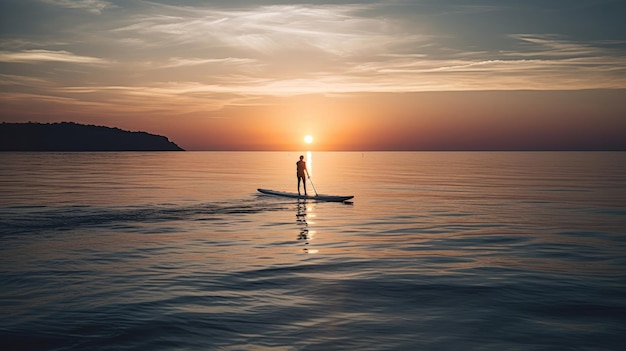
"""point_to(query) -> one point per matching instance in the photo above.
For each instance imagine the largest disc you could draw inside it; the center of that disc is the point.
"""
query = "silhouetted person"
(301, 172)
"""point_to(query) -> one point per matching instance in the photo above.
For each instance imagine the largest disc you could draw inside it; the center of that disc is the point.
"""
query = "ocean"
(437, 251)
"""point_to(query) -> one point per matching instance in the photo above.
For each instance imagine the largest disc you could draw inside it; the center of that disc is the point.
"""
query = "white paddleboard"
(318, 197)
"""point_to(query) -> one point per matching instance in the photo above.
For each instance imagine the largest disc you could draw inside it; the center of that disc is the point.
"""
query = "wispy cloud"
(17, 80)
(16, 44)
(269, 29)
(551, 45)
(182, 61)
(34, 56)
(94, 6)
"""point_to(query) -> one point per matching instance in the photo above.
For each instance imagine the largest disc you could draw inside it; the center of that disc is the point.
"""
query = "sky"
(356, 75)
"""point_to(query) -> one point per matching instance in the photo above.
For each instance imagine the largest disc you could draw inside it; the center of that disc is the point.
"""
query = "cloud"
(94, 6)
(12, 79)
(20, 43)
(334, 29)
(182, 61)
(34, 56)
(552, 45)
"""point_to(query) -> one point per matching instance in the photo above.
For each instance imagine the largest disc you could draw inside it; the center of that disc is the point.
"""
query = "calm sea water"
(438, 251)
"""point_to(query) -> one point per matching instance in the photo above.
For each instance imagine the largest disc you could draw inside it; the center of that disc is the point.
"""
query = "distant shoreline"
(74, 137)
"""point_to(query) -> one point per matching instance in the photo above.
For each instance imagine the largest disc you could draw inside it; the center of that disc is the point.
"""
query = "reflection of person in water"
(304, 226)
(301, 173)
(306, 235)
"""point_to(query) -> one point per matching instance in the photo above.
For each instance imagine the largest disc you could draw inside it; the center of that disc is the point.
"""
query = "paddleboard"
(318, 197)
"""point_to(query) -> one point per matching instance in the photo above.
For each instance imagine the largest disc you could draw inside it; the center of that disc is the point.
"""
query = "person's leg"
(304, 183)
(299, 178)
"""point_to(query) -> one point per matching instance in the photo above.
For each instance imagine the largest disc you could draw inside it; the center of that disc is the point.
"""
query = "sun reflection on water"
(306, 235)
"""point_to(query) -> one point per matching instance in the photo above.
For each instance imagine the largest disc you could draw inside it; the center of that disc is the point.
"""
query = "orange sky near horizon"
(523, 120)
(412, 121)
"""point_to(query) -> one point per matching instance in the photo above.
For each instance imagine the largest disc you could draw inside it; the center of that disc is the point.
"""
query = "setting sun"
(308, 139)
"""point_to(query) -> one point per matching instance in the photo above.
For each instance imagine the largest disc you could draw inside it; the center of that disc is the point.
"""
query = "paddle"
(310, 180)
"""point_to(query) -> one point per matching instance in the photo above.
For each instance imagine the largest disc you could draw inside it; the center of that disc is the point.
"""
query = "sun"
(308, 139)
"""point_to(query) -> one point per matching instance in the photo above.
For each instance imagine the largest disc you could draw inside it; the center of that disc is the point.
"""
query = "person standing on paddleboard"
(301, 172)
